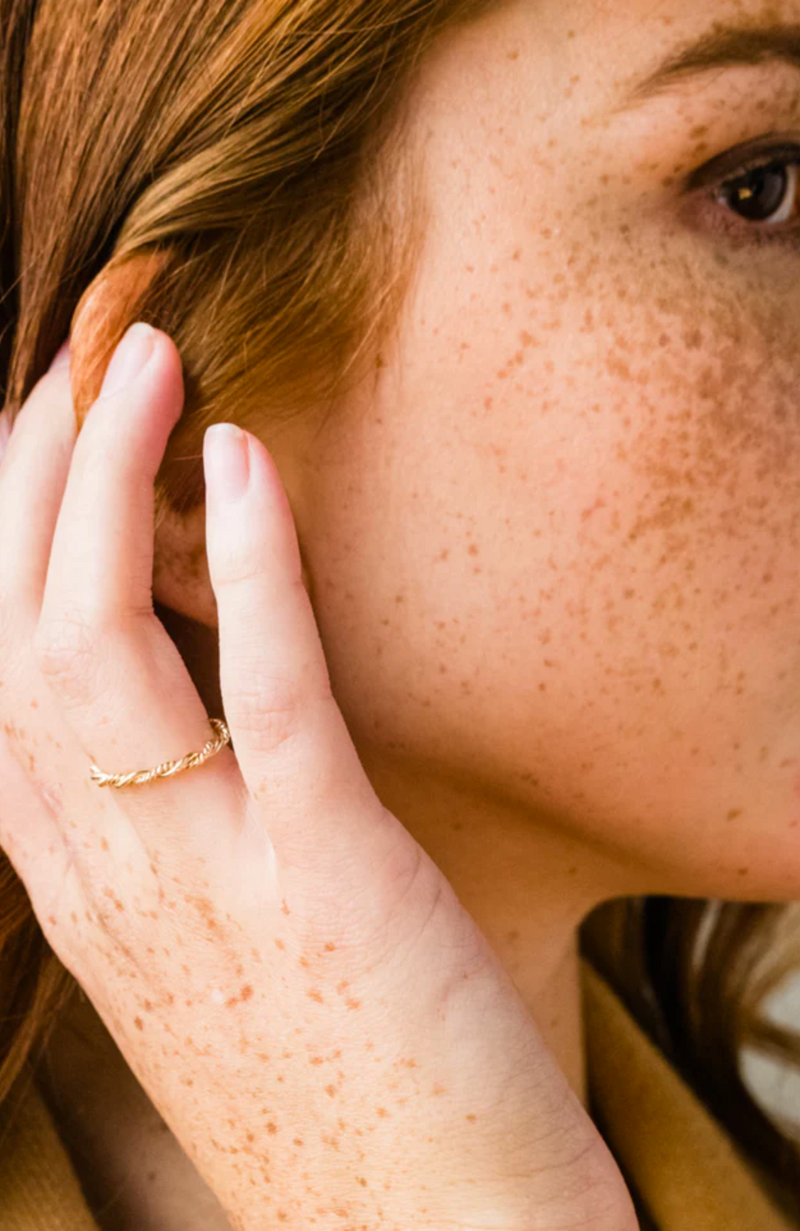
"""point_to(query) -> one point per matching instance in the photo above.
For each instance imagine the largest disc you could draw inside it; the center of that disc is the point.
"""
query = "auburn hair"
(254, 148)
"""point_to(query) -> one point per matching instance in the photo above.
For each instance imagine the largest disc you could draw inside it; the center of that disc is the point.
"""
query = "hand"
(287, 973)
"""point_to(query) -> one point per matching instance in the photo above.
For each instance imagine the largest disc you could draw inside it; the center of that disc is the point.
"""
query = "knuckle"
(269, 713)
(238, 567)
(65, 649)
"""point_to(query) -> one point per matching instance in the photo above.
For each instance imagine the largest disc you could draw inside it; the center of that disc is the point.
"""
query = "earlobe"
(181, 579)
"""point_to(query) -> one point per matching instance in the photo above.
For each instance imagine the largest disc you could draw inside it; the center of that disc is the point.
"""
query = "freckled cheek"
(662, 438)
(704, 449)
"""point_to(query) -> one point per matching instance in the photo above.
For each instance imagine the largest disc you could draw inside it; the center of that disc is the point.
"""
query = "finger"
(117, 675)
(33, 474)
(291, 741)
(111, 478)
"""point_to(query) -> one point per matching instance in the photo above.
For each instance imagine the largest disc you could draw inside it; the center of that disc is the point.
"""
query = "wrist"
(590, 1195)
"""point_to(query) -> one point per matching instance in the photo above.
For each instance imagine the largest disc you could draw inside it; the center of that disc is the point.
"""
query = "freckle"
(51, 919)
(279, 943)
(284, 907)
(353, 1004)
(743, 871)
(399, 598)
(316, 1060)
(104, 844)
(138, 1023)
(471, 1117)
(314, 994)
(330, 946)
(302, 961)
(204, 905)
(298, 1141)
(734, 812)
(331, 1091)
(439, 1089)
(513, 55)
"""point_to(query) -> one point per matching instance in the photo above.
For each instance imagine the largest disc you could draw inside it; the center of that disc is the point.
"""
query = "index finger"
(290, 738)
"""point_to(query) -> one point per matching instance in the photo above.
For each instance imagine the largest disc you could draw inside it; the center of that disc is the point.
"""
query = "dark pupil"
(760, 193)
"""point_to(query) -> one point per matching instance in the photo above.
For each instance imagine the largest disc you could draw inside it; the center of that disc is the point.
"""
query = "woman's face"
(555, 551)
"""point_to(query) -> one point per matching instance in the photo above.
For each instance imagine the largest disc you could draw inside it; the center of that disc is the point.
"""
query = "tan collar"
(683, 1163)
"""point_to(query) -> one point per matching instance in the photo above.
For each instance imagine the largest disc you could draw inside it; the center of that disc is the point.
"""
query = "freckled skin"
(552, 553)
(580, 593)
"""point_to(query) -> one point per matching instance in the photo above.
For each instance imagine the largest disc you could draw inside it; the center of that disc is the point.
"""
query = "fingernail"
(226, 460)
(129, 358)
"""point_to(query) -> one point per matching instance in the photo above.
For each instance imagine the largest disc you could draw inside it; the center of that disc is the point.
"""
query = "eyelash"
(726, 219)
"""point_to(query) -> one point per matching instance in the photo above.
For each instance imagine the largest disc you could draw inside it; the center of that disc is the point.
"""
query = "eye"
(766, 193)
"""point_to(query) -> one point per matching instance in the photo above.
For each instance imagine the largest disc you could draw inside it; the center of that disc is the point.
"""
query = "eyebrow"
(722, 47)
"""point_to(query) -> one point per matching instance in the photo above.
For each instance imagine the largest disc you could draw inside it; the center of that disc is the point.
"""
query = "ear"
(110, 304)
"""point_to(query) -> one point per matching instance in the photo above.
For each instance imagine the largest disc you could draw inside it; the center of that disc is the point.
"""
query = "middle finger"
(117, 675)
